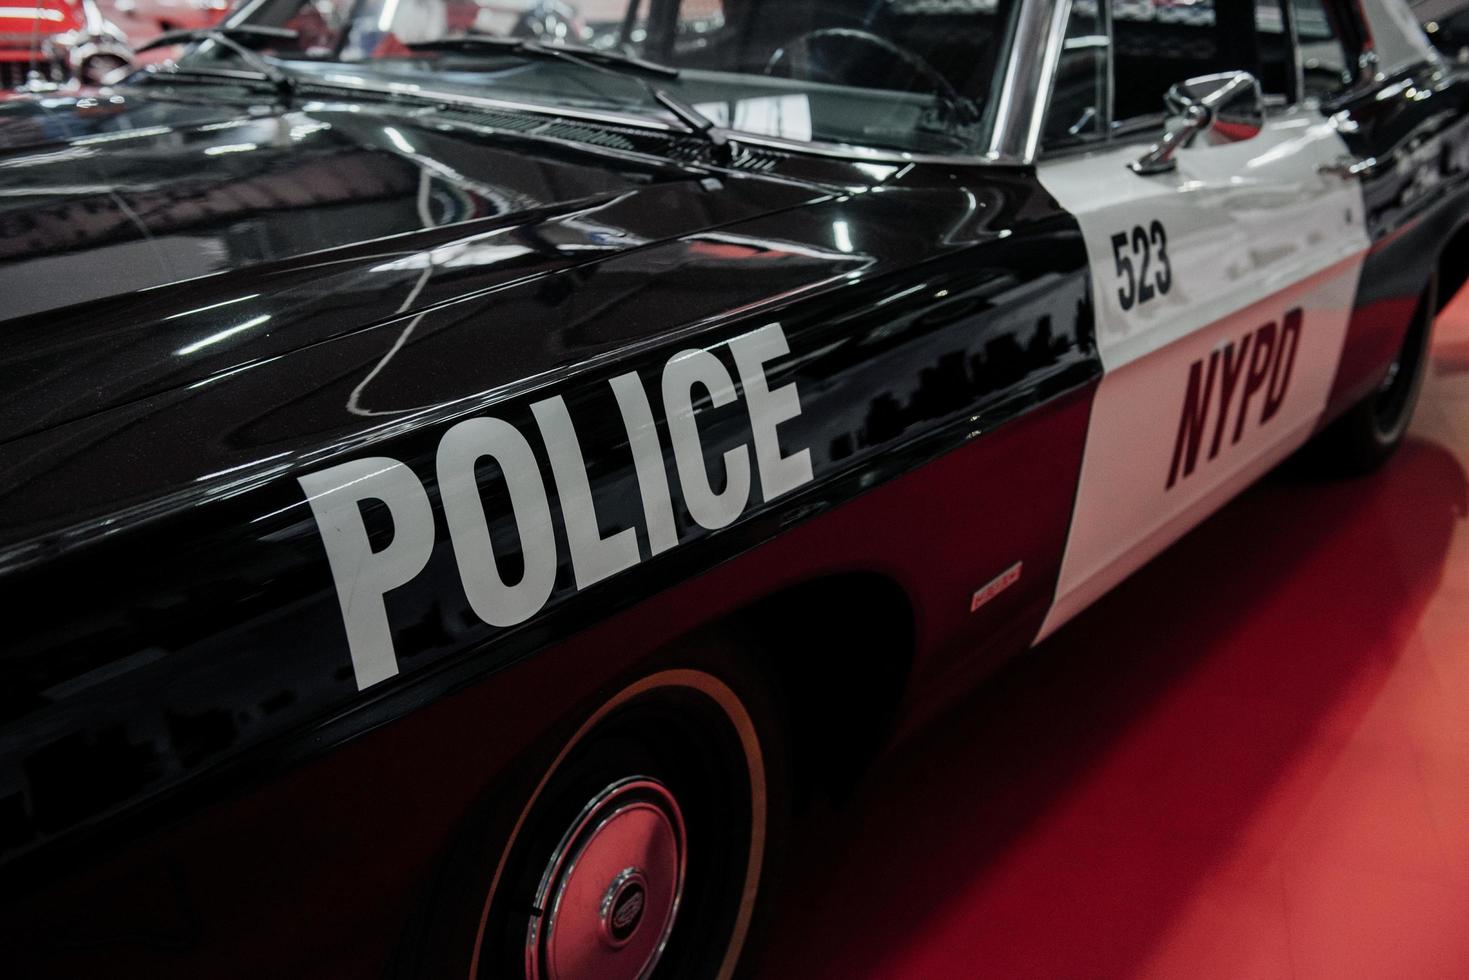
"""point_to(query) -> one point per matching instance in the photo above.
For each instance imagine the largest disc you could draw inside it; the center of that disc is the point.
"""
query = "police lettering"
(364, 577)
(1258, 366)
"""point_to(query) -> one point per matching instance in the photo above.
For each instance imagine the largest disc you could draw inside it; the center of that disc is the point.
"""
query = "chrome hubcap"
(609, 895)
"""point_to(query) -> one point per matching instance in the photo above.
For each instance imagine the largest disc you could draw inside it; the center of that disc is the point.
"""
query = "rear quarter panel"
(1415, 130)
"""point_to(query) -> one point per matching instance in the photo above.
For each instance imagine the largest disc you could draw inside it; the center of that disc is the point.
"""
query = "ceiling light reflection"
(199, 345)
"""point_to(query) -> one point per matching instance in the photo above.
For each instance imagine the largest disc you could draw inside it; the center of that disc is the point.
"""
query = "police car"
(460, 490)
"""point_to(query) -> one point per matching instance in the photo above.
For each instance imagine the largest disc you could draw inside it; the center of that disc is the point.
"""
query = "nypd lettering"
(1270, 353)
(714, 492)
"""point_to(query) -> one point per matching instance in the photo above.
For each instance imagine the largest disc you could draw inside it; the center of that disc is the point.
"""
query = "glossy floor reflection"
(1252, 760)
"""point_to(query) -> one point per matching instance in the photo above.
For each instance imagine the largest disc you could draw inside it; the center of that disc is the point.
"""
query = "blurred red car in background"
(145, 19)
(46, 43)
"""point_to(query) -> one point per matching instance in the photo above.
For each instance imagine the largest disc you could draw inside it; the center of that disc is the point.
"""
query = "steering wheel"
(795, 59)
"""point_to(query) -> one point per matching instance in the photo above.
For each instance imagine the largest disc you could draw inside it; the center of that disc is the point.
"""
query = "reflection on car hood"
(145, 245)
(139, 193)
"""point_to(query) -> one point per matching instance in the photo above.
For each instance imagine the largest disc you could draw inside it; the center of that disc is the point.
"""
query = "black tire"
(1369, 432)
(696, 743)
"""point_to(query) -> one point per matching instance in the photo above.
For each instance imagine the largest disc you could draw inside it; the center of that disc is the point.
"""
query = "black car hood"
(141, 192)
(150, 243)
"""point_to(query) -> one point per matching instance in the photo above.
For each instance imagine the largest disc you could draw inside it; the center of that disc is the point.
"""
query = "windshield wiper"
(599, 57)
(606, 61)
(230, 39)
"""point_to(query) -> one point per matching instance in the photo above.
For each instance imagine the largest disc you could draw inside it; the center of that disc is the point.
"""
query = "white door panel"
(1126, 509)
(1209, 382)
(1243, 221)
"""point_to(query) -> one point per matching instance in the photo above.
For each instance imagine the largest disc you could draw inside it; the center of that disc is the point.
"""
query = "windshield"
(913, 75)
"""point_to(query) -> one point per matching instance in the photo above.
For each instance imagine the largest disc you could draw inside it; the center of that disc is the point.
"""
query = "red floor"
(1252, 760)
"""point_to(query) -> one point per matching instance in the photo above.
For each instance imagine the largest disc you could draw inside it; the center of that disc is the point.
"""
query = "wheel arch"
(1453, 264)
(839, 651)
(801, 643)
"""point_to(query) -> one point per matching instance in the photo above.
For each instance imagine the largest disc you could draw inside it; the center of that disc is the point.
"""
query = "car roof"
(1397, 35)
(1437, 8)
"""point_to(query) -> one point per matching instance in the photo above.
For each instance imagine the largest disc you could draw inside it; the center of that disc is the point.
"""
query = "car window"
(1326, 61)
(1159, 43)
(935, 58)
(913, 75)
(1078, 107)
(699, 22)
(1180, 40)
(1277, 59)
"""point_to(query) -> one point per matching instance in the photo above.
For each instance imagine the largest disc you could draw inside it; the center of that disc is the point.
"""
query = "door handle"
(1348, 168)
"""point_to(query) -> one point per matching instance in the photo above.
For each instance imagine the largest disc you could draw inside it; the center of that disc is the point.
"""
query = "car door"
(1222, 288)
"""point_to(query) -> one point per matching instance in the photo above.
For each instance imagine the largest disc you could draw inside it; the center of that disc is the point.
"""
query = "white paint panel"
(1255, 230)
(1244, 222)
(1125, 512)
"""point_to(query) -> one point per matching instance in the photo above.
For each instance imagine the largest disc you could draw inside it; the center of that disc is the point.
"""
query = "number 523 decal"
(1135, 256)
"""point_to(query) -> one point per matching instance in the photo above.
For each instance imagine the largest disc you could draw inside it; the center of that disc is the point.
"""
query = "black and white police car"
(461, 489)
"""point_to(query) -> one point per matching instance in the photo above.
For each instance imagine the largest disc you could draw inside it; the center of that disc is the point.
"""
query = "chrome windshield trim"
(1026, 87)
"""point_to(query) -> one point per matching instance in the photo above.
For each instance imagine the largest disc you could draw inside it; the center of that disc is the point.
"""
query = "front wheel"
(641, 851)
(1372, 430)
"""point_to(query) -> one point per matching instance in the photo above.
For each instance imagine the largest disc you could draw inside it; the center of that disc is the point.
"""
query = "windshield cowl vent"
(759, 161)
(625, 139)
(746, 158)
(586, 134)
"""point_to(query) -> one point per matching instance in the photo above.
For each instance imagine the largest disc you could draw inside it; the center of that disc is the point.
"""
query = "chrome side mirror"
(1225, 108)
